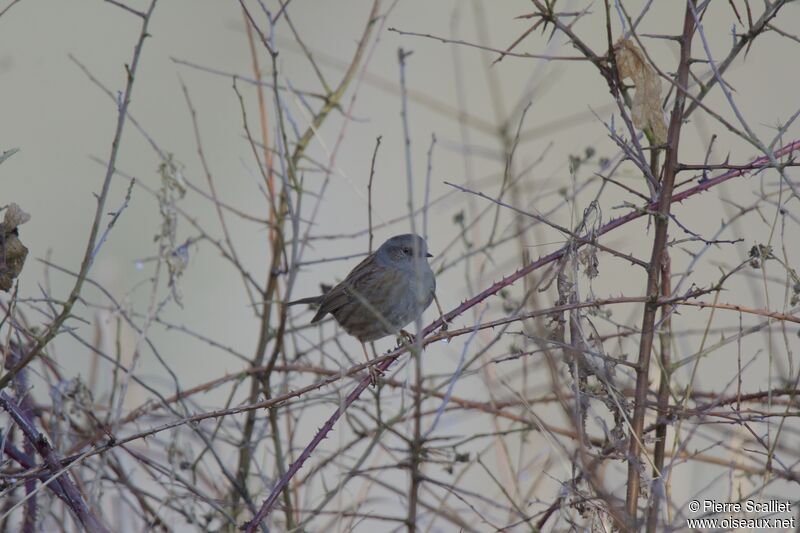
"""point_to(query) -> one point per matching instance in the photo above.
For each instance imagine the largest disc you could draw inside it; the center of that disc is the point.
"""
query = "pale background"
(60, 120)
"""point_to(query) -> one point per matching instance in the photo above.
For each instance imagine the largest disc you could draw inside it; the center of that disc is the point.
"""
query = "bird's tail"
(309, 300)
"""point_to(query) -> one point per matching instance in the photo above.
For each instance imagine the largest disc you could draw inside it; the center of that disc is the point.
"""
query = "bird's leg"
(373, 372)
(404, 337)
(441, 313)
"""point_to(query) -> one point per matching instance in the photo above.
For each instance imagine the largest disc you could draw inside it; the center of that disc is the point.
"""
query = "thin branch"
(489, 49)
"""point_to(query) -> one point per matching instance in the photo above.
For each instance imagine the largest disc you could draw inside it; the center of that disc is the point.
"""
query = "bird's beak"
(428, 255)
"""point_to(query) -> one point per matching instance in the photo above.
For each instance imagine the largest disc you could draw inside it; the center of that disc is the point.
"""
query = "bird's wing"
(330, 302)
(342, 293)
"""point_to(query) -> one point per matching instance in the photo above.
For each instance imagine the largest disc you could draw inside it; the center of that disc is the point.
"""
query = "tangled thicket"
(642, 358)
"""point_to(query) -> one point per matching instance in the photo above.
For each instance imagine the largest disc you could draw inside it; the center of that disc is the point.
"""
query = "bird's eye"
(407, 251)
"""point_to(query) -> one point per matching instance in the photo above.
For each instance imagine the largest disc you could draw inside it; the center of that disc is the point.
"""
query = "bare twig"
(369, 191)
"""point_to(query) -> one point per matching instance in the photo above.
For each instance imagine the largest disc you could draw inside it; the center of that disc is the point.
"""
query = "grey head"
(403, 251)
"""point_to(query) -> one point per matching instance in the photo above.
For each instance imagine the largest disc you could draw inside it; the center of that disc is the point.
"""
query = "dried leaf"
(172, 191)
(12, 251)
(646, 110)
(73, 403)
(15, 216)
(178, 260)
(588, 258)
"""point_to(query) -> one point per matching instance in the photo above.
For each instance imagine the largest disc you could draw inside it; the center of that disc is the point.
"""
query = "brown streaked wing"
(370, 311)
(337, 296)
(378, 287)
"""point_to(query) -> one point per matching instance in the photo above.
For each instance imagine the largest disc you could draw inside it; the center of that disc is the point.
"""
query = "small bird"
(388, 290)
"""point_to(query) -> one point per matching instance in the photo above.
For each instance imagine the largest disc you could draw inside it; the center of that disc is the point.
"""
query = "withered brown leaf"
(646, 108)
(12, 251)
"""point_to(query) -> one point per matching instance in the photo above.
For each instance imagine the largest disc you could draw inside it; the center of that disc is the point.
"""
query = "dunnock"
(382, 294)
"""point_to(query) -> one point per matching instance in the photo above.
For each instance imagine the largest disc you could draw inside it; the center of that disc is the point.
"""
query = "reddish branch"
(749, 310)
(658, 254)
(66, 488)
(665, 338)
